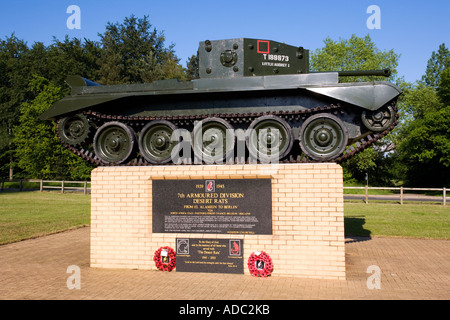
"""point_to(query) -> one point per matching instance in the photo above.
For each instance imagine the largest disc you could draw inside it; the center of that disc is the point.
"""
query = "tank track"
(357, 145)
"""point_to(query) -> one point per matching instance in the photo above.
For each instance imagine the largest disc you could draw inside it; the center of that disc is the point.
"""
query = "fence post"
(367, 194)
(62, 186)
(41, 185)
(401, 195)
(444, 202)
(85, 187)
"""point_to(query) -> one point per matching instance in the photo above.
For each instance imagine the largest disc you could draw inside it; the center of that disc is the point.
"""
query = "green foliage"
(428, 138)
(438, 62)
(418, 151)
(14, 78)
(425, 150)
(128, 52)
(423, 153)
(443, 91)
(40, 155)
(362, 163)
(355, 53)
(420, 99)
(133, 53)
(72, 57)
(192, 68)
(15, 68)
(18, 64)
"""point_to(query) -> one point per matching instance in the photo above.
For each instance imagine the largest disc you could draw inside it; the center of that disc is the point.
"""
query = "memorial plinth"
(293, 212)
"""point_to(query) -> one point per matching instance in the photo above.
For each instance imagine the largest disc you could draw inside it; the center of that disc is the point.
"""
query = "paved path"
(36, 269)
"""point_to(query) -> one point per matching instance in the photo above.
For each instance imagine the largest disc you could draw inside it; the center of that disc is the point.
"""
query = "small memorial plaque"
(231, 206)
(210, 255)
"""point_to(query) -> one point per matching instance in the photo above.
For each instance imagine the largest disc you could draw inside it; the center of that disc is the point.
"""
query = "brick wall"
(307, 216)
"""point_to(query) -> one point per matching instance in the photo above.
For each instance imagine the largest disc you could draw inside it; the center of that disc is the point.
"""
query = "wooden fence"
(63, 186)
(401, 192)
(84, 186)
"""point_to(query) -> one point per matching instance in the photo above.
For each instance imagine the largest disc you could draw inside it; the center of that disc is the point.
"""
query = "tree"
(72, 57)
(419, 99)
(443, 91)
(424, 144)
(426, 149)
(18, 64)
(14, 76)
(32, 77)
(133, 53)
(362, 163)
(40, 154)
(353, 54)
(438, 62)
(357, 54)
(192, 68)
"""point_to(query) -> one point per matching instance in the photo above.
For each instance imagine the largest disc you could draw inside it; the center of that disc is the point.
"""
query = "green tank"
(254, 101)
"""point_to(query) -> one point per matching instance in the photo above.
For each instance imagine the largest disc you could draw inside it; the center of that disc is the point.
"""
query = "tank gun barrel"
(361, 73)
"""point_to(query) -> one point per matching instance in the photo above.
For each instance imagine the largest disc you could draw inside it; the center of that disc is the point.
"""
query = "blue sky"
(412, 28)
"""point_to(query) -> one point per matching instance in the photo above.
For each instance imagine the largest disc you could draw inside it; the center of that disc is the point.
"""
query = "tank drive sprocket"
(74, 130)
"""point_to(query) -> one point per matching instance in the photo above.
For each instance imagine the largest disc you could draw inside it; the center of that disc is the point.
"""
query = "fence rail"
(83, 186)
(61, 185)
(402, 191)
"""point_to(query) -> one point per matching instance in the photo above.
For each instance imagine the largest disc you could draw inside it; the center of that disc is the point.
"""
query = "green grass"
(391, 219)
(26, 215)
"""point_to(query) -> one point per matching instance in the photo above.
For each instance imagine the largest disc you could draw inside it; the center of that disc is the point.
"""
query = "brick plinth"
(307, 216)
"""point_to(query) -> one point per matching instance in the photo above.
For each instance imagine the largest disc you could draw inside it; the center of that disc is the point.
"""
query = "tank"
(254, 101)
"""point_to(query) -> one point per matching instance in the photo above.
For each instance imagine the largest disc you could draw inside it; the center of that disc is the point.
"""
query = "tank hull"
(257, 119)
(222, 95)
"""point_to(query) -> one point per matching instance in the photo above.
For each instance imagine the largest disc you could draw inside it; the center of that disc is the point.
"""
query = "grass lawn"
(25, 215)
(391, 219)
(30, 214)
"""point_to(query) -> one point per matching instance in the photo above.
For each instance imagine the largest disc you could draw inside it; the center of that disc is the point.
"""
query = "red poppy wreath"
(165, 258)
(260, 264)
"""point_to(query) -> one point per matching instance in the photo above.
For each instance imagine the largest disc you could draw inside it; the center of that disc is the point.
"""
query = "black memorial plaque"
(210, 255)
(222, 206)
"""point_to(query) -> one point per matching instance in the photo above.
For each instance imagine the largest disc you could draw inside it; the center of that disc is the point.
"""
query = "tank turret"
(250, 57)
(255, 101)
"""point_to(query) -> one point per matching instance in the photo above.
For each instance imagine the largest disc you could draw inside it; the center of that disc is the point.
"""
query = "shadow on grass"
(354, 229)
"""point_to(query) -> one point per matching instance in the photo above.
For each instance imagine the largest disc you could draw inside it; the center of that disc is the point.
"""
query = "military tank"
(254, 101)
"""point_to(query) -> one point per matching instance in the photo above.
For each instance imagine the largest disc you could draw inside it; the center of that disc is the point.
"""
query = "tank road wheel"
(323, 137)
(114, 142)
(269, 138)
(213, 140)
(378, 120)
(155, 142)
(73, 130)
